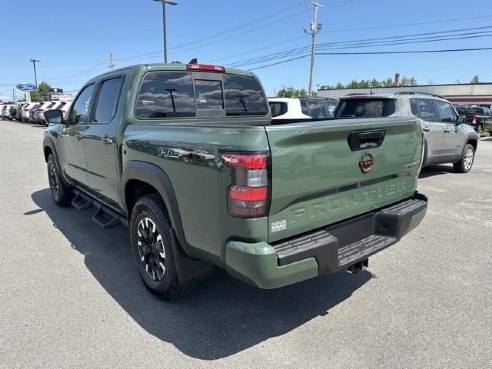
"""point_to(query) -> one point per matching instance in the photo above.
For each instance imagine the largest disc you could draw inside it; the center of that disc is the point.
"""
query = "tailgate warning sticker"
(279, 225)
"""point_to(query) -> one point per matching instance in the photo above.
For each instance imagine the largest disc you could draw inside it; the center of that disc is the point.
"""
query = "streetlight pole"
(34, 61)
(164, 3)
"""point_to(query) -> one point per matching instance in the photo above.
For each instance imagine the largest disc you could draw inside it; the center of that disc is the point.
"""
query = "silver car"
(447, 139)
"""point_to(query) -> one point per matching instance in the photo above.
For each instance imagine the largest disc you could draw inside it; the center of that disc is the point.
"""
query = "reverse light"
(248, 196)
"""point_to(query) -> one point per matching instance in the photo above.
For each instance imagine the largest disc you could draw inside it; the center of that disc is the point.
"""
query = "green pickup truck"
(187, 157)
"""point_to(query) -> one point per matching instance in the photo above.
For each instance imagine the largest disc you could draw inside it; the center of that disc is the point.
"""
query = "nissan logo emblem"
(366, 163)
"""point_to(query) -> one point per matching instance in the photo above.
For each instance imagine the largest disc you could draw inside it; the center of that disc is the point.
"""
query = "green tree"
(388, 82)
(42, 92)
(376, 83)
(405, 81)
(475, 80)
(291, 92)
(373, 83)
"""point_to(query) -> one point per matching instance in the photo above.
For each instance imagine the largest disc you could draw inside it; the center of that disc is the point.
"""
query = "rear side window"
(366, 108)
(244, 96)
(278, 108)
(424, 109)
(165, 94)
(108, 100)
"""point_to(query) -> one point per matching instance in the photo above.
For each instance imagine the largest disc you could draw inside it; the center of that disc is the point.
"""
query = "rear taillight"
(474, 120)
(248, 196)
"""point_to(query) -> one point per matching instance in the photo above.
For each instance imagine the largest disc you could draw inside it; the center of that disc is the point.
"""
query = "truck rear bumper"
(326, 250)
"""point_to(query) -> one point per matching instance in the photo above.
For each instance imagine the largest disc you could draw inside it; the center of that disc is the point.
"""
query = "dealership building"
(459, 94)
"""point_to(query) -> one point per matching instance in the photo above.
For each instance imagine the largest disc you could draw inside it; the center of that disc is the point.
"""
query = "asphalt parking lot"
(71, 298)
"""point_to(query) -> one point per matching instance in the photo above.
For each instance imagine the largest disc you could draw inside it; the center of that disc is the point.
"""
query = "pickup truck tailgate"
(327, 171)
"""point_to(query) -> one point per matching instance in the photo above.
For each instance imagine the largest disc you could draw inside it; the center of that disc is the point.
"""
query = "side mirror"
(54, 116)
(460, 120)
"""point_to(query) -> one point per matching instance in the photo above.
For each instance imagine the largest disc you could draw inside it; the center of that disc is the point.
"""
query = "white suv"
(301, 107)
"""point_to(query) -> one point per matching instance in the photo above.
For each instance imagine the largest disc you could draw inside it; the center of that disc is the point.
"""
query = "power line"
(209, 40)
(408, 52)
(85, 71)
(185, 47)
(382, 41)
(281, 62)
(267, 17)
(467, 30)
(206, 41)
(378, 53)
(411, 24)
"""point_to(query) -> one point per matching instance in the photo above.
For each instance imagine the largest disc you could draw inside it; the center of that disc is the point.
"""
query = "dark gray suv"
(447, 138)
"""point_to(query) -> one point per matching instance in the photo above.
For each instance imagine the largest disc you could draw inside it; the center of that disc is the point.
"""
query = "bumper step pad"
(358, 250)
(341, 245)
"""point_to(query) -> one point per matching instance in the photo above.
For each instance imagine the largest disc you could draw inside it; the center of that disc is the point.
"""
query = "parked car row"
(32, 112)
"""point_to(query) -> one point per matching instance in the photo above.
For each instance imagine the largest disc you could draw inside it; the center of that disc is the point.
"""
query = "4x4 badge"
(366, 163)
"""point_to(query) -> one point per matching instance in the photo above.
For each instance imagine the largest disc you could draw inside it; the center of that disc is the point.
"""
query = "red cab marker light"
(206, 67)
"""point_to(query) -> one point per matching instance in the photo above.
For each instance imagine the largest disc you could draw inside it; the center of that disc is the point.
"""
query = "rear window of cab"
(365, 108)
(164, 94)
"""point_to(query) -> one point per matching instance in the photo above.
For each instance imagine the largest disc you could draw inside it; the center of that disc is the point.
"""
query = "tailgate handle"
(364, 140)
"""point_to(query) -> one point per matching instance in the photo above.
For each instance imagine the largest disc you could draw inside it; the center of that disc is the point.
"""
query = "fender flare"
(48, 142)
(157, 178)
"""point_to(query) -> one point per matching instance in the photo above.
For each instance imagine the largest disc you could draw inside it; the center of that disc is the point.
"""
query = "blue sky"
(73, 39)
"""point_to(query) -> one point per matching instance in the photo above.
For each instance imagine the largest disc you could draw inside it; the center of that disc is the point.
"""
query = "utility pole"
(34, 61)
(315, 27)
(112, 62)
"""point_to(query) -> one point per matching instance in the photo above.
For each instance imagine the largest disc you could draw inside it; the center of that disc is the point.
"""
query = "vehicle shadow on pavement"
(436, 170)
(223, 317)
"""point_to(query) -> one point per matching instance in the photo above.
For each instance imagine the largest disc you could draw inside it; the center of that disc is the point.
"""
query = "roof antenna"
(193, 61)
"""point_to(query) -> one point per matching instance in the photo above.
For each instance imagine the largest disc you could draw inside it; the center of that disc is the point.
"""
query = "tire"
(156, 263)
(464, 165)
(61, 193)
(479, 128)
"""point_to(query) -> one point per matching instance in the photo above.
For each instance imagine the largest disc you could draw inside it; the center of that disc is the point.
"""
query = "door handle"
(425, 129)
(447, 130)
(107, 140)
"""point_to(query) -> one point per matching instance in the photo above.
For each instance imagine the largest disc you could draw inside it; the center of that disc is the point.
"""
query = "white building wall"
(474, 94)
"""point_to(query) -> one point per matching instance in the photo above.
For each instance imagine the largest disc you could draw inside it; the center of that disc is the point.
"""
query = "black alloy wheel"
(152, 248)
